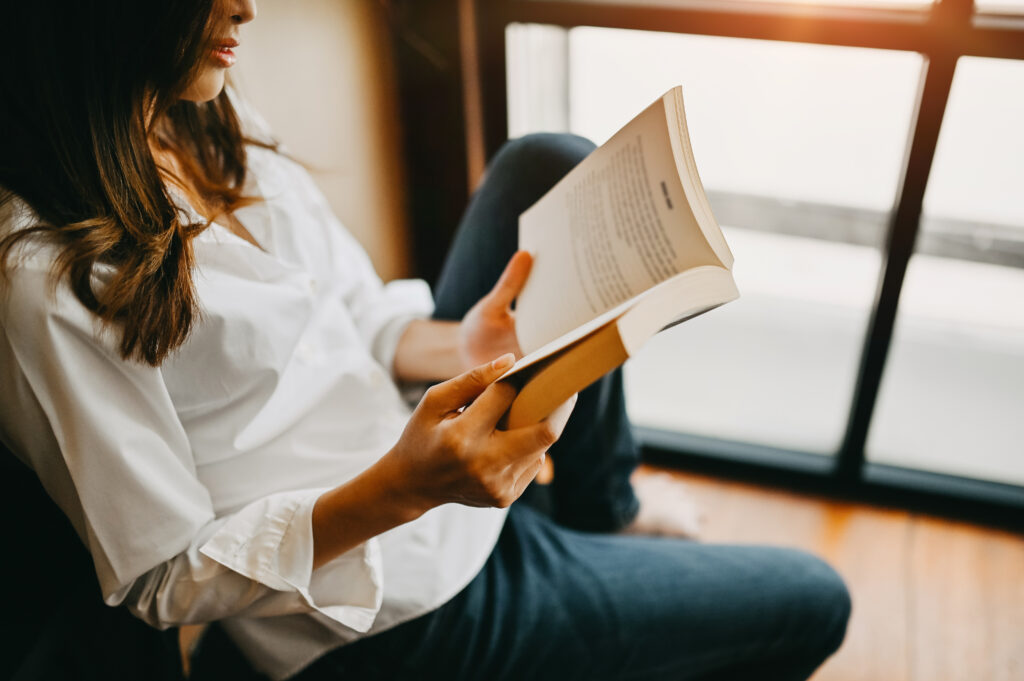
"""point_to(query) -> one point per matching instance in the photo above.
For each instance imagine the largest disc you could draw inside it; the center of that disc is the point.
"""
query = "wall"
(321, 73)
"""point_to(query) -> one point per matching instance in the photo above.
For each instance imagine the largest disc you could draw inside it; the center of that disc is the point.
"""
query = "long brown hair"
(96, 83)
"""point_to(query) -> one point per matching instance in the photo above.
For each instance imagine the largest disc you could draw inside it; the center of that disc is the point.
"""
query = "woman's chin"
(206, 87)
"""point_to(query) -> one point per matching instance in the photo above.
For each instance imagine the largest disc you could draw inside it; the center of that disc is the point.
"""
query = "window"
(800, 148)
(877, 332)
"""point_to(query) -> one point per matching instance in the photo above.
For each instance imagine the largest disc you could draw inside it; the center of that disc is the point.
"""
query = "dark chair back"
(58, 626)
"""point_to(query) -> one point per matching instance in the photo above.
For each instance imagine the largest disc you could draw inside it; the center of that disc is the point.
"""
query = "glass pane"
(800, 148)
(952, 397)
(999, 6)
(776, 367)
(537, 78)
(792, 121)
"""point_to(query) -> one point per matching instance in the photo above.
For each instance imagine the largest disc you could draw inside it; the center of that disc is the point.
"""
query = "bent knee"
(822, 601)
(542, 153)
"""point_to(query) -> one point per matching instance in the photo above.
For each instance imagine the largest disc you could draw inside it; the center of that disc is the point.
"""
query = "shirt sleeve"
(380, 311)
(105, 440)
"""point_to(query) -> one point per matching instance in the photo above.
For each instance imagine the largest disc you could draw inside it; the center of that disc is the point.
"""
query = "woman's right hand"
(452, 450)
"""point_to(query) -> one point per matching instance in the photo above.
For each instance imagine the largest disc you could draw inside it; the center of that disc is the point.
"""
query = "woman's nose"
(243, 11)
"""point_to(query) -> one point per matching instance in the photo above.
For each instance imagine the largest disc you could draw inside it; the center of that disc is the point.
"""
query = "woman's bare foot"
(666, 508)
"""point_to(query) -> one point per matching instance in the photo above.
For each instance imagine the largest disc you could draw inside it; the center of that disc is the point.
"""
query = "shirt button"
(312, 285)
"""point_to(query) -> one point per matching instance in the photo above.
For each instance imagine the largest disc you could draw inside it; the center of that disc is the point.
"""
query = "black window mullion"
(954, 16)
(899, 247)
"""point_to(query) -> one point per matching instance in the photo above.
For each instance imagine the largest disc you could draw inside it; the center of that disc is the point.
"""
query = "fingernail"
(504, 362)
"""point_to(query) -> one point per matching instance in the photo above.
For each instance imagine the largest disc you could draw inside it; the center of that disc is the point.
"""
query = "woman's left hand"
(488, 330)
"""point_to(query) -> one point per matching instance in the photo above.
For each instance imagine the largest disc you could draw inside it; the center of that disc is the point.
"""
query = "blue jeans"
(557, 600)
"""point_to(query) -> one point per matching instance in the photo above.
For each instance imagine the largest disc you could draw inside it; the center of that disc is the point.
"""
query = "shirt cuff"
(410, 296)
(271, 542)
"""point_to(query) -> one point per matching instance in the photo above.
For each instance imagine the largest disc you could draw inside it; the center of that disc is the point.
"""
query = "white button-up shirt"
(192, 484)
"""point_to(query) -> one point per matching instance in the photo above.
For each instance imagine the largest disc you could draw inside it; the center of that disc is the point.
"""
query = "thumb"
(512, 280)
(449, 396)
(546, 473)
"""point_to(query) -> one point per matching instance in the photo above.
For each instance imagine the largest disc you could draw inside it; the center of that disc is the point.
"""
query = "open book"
(623, 246)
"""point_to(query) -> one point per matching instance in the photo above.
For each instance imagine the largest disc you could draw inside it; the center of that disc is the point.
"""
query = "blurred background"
(900, 339)
(866, 162)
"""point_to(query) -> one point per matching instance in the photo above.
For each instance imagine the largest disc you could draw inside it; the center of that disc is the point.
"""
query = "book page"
(616, 225)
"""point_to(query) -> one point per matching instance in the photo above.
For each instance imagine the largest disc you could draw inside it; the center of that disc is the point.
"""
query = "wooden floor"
(933, 600)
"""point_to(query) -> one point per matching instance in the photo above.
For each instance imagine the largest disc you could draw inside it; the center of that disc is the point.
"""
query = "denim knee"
(824, 605)
(543, 157)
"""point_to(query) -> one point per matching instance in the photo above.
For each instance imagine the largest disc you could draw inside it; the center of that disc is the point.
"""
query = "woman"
(202, 367)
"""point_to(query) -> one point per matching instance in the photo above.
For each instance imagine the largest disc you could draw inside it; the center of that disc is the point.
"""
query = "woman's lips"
(223, 54)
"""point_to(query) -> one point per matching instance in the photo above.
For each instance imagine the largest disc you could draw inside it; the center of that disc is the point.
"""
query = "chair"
(59, 627)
